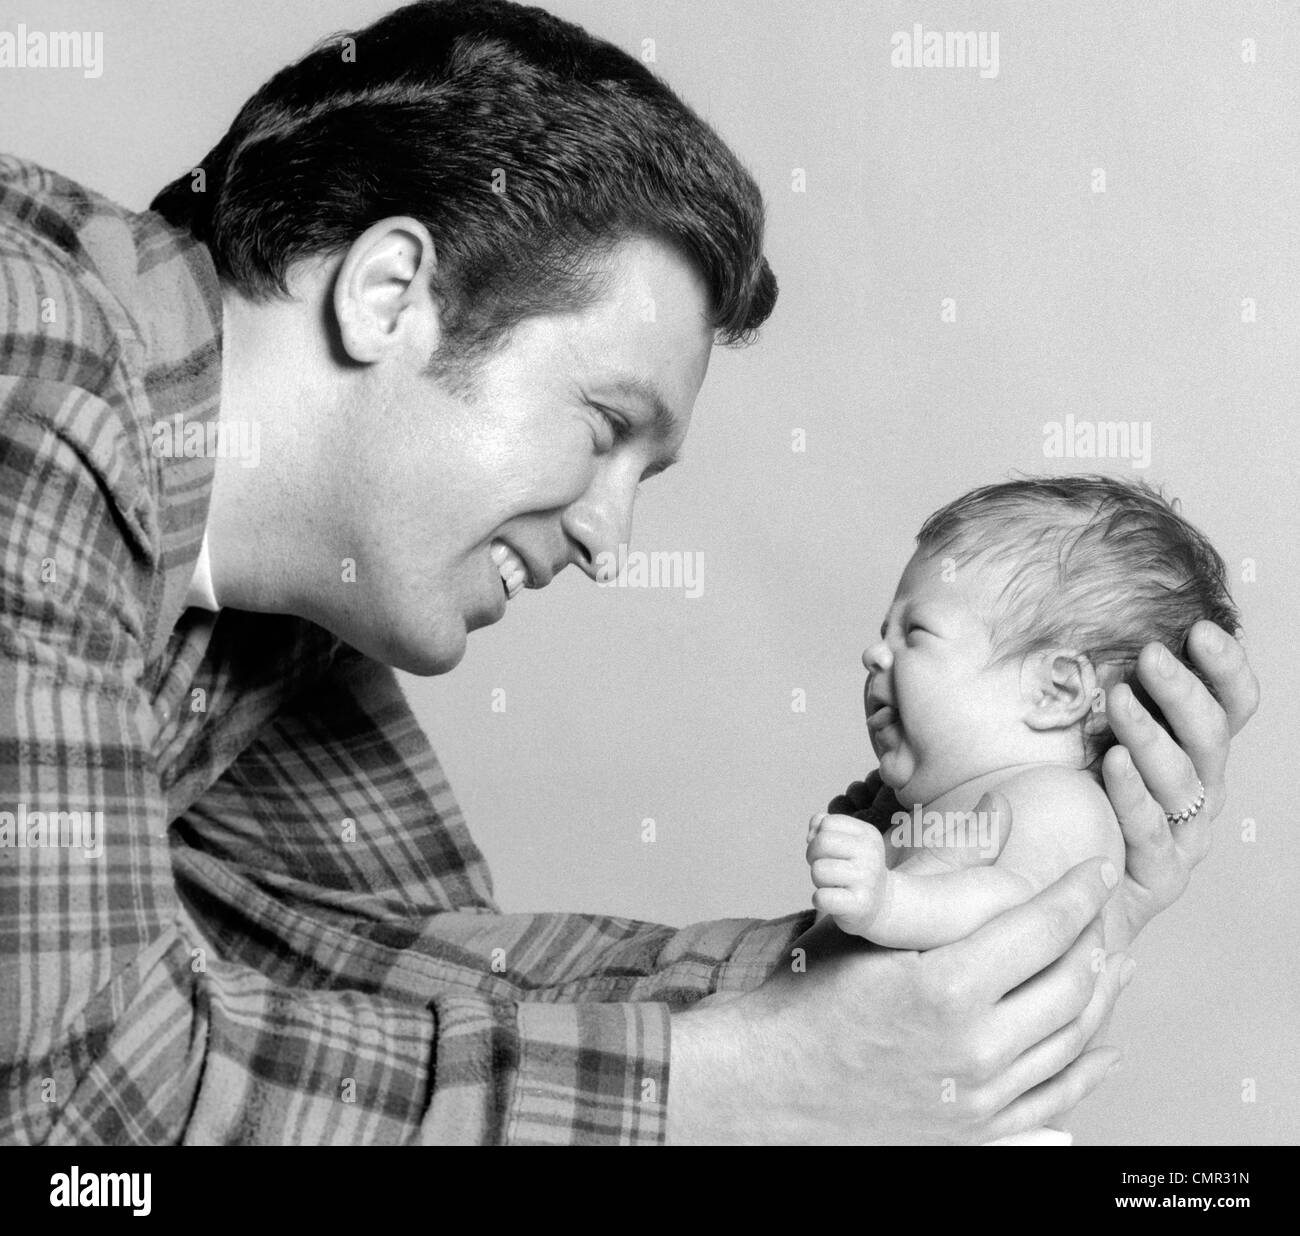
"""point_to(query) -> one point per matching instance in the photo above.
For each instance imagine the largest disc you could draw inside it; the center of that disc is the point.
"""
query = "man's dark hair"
(528, 148)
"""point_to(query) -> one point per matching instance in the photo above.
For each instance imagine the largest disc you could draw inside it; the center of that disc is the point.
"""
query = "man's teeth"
(514, 575)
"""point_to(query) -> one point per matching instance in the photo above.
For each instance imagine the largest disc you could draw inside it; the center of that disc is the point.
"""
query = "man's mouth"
(513, 571)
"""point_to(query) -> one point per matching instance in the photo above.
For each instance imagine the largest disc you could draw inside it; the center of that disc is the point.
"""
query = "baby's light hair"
(1095, 563)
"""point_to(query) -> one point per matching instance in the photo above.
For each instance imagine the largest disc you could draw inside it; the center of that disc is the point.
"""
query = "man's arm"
(332, 855)
(337, 812)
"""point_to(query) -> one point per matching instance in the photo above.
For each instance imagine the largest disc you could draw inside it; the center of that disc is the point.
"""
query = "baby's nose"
(877, 657)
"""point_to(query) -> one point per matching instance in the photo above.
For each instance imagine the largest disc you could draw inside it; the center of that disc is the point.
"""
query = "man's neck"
(260, 511)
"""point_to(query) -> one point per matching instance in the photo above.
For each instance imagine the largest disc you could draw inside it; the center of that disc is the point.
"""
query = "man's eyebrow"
(664, 423)
(663, 420)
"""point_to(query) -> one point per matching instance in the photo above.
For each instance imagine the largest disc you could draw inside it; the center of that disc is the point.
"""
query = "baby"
(1023, 604)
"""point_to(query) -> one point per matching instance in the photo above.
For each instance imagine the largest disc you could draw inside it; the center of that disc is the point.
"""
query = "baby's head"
(1023, 604)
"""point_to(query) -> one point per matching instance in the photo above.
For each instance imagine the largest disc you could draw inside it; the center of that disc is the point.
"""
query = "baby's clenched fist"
(847, 860)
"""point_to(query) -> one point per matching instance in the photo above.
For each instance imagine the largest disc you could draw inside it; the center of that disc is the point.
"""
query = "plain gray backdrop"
(728, 718)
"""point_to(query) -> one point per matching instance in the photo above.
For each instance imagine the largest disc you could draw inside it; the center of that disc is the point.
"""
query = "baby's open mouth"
(885, 715)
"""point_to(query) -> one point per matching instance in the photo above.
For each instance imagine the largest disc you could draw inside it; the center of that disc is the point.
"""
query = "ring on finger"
(1181, 817)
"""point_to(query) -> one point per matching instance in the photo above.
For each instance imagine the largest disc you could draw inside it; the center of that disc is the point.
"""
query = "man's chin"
(422, 652)
(427, 664)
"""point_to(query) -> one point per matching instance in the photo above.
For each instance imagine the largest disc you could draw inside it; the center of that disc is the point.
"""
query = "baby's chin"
(900, 769)
(897, 770)
(912, 786)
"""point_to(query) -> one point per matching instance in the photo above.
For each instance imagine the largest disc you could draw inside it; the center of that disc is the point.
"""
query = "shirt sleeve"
(263, 971)
(548, 1028)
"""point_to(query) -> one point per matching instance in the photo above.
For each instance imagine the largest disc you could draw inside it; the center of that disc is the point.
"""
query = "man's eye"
(618, 428)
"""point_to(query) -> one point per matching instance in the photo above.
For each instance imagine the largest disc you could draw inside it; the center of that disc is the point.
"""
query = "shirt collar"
(178, 307)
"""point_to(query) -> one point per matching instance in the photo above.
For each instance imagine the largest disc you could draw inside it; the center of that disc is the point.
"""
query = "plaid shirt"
(289, 935)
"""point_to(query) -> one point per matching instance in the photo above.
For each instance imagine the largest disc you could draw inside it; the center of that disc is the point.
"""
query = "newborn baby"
(1023, 603)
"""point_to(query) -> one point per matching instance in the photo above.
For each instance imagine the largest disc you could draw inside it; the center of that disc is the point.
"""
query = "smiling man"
(463, 271)
(454, 495)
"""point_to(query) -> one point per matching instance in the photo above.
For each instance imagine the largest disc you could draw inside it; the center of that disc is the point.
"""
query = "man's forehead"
(653, 318)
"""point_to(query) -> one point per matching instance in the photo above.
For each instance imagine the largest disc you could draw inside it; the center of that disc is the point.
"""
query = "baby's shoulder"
(1060, 816)
(1059, 784)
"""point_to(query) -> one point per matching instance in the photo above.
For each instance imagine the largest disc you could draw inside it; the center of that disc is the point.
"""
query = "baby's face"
(938, 712)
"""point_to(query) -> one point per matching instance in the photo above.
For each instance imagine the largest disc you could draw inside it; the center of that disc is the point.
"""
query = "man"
(416, 273)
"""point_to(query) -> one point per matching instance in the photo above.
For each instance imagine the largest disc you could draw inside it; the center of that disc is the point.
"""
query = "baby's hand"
(847, 858)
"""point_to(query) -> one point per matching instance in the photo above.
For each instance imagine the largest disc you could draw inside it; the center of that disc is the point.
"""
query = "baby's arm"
(897, 908)
(1059, 817)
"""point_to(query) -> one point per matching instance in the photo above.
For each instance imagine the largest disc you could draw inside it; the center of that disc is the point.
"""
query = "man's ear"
(383, 297)
(1059, 687)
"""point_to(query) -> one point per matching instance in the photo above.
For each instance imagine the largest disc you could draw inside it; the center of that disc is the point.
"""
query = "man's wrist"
(707, 1081)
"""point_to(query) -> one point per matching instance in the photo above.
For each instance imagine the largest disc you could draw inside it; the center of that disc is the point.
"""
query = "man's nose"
(598, 523)
(878, 657)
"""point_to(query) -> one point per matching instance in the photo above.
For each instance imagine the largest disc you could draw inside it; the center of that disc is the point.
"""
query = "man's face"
(542, 458)
(938, 712)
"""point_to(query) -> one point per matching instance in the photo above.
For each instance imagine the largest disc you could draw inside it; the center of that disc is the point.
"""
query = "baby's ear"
(1060, 688)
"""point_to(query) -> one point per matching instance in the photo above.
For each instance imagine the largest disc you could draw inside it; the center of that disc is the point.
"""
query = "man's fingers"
(1059, 1049)
(1053, 1098)
(1026, 939)
(1168, 772)
(1148, 841)
(1197, 719)
(1223, 661)
(1036, 1010)
(1150, 774)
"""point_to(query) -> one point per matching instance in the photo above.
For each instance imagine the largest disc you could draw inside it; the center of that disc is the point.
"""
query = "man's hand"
(961, 1044)
(1148, 773)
